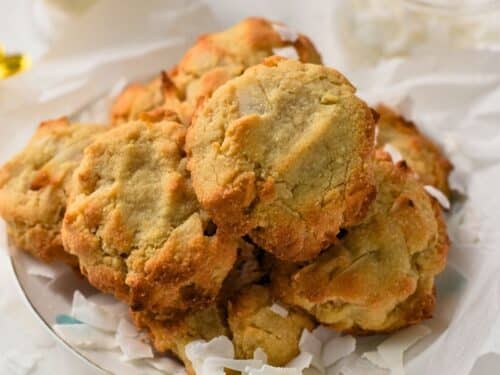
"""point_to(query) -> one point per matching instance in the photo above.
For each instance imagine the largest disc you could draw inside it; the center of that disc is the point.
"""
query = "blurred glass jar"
(369, 30)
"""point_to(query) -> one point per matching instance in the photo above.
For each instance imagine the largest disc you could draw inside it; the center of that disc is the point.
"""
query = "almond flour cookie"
(214, 59)
(35, 184)
(254, 324)
(420, 153)
(284, 154)
(381, 277)
(173, 336)
(135, 225)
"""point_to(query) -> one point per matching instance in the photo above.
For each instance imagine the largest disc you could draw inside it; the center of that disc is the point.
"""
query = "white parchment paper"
(452, 96)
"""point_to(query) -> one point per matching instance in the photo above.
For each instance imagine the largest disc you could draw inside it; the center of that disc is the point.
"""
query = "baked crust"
(213, 60)
(255, 325)
(135, 224)
(420, 153)
(381, 277)
(172, 336)
(35, 184)
(284, 154)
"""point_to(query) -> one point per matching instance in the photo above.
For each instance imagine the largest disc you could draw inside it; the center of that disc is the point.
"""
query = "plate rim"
(27, 302)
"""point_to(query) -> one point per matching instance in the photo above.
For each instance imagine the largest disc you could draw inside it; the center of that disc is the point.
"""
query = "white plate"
(48, 298)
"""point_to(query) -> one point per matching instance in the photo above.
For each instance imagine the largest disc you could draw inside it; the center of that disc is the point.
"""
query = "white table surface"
(23, 336)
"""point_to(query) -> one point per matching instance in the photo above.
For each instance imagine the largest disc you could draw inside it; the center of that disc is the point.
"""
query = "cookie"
(214, 59)
(284, 154)
(381, 277)
(135, 225)
(254, 324)
(174, 335)
(420, 153)
(35, 184)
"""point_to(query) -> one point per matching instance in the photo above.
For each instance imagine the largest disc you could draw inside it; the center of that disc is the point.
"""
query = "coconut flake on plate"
(48, 271)
(85, 337)
(391, 351)
(288, 52)
(199, 350)
(93, 314)
(216, 365)
(337, 348)
(375, 358)
(271, 370)
(438, 195)
(305, 361)
(126, 329)
(324, 334)
(310, 344)
(393, 151)
(133, 348)
(260, 355)
(279, 310)
(286, 34)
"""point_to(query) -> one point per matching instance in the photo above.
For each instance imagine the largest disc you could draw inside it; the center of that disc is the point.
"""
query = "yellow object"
(13, 63)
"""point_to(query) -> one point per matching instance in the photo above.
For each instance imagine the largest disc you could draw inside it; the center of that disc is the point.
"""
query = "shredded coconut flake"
(133, 348)
(270, 370)
(85, 337)
(92, 314)
(305, 361)
(216, 365)
(337, 348)
(375, 358)
(48, 271)
(310, 344)
(395, 154)
(438, 195)
(260, 355)
(286, 34)
(288, 52)
(280, 310)
(324, 334)
(126, 329)
(198, 351)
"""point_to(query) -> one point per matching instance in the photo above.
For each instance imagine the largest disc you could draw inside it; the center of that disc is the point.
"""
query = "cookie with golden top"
(381, 277)
(172, 336)
(135, 225)
(214, 59)
(35, 184)
(420, 153)
(284, 154)
(254, 325)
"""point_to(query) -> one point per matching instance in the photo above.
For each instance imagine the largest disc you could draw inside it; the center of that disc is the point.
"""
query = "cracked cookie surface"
(255, 325)
(174, 335)
(35, 184)
(135, 224)
(381, 277)
(284, 154)
(420, 153)
(214, 59)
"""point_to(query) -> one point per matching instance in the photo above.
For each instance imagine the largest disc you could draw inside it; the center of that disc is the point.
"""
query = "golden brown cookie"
(174, 335)
(284, 154)
(381, 277)
(214, 59)
(35, 184)
(254, 325)
(420, 153)
(135, 225)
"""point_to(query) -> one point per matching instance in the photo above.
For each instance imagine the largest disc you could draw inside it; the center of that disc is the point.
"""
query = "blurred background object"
(370, 30)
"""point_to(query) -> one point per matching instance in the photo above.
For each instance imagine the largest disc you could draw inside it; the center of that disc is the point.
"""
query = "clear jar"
(370, 30)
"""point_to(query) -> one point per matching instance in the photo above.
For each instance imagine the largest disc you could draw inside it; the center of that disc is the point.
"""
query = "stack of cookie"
(234, 184)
